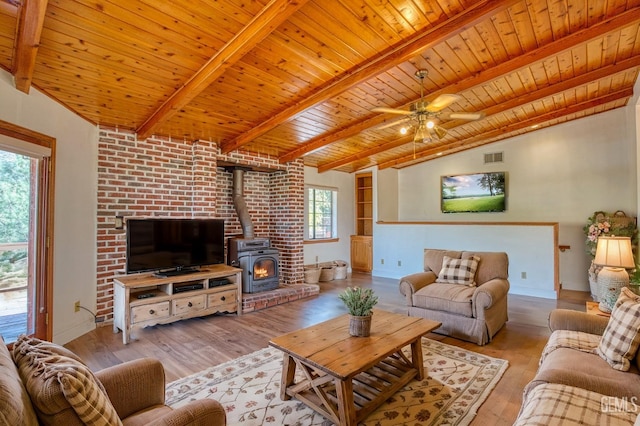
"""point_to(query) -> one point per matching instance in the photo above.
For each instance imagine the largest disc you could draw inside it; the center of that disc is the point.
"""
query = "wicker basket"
(328, 273)
(341, 270)
(312, 275)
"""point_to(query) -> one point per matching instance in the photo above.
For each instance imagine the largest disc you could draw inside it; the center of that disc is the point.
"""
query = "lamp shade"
(614, 252)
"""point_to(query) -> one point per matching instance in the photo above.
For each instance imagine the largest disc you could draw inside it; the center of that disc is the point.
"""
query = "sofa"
(44, 383)
(466, 291)
(588, 371)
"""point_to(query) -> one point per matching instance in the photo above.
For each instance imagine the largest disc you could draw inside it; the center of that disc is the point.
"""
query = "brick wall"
(168, 178)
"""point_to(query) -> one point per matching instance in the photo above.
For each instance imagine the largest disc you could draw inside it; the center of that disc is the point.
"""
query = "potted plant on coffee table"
(360, 303)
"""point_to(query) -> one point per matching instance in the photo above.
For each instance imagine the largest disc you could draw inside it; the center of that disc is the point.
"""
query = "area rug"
(457, 383)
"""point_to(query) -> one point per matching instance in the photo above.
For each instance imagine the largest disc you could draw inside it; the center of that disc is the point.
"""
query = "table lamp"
(614, 254)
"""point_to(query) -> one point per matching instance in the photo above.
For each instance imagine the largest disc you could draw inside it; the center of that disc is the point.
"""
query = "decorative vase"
(360, 326)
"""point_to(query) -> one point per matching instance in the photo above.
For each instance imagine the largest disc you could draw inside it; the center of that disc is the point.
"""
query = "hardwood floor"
(189, 346)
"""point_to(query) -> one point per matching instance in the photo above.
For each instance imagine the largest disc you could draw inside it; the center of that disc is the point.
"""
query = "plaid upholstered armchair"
(465, 291)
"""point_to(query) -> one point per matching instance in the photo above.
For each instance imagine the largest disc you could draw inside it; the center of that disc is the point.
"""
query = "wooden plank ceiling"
(293, 79)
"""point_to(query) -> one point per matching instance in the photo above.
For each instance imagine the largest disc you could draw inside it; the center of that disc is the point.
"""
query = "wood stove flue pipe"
(240, 204)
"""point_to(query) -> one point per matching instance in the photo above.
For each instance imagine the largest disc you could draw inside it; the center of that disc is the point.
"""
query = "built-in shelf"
(364, 204)
(362, 242)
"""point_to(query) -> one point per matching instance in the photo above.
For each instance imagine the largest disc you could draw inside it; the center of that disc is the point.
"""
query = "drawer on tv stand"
(189, 303)
(150, 311)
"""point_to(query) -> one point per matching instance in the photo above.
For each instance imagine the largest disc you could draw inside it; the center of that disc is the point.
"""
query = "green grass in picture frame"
(474, 193)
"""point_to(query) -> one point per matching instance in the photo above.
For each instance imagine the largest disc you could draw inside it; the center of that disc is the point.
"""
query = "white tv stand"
(143, 300)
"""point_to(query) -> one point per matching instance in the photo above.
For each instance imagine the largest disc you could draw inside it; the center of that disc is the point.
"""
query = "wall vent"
(493, 157)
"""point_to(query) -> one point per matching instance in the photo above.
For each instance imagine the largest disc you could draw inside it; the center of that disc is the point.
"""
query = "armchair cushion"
(458, 271)
(453, 298)
(621, 338)
(492, 265)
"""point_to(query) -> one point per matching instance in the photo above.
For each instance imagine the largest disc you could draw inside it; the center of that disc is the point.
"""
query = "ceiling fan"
(423, 115)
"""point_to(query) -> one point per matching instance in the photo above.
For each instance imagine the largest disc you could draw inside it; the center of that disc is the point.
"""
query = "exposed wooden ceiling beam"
(387, 59)
(504, 132)
(32, 13)
(554, 48)
(264, 23)
(545, 92)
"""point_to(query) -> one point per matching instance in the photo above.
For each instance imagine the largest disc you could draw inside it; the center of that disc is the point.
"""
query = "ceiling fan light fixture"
(439, 131)
(422, 134)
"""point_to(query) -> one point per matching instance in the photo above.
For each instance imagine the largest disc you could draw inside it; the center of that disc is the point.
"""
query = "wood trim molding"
(380, 222)
(17, 132)
(329, 240)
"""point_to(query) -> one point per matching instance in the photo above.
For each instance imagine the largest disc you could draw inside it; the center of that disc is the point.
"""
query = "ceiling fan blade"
(439, 131)
(393, 123)
(464, 115)
(392, 110)
(442, 101)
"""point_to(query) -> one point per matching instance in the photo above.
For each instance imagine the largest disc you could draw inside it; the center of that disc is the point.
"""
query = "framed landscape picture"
(474, 193)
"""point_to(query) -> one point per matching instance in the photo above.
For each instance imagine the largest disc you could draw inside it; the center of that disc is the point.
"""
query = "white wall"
(560, 174)
(401, 247)
(341, 250)
(75, 202)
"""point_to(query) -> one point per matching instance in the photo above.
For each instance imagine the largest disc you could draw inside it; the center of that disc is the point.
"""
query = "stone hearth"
(283, 294)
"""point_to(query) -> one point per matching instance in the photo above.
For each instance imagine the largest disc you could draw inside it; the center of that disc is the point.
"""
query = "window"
(321, 213)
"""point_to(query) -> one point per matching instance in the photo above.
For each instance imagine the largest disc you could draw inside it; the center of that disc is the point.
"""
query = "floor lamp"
(614, 254)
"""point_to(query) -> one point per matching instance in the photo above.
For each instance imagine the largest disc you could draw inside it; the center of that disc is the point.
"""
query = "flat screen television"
(176, 245)
(474, 193)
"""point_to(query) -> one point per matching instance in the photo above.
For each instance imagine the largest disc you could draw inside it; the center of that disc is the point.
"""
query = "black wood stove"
(258, 260)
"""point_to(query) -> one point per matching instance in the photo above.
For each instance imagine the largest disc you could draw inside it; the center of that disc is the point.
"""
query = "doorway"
(25, 237)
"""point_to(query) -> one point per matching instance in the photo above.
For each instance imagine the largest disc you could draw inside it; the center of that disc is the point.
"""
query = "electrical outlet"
(382, 261)
(76, 306)
(523, 275)
(399, 262)
(118, 222)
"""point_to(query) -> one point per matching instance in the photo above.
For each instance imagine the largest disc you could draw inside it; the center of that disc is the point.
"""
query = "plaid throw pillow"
(85, 394)
(458, 271)
(621, 338)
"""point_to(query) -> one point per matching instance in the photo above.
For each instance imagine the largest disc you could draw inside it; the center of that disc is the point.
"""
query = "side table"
(592, 309)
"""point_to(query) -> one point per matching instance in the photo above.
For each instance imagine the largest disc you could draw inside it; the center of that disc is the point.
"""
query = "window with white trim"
(321, 208)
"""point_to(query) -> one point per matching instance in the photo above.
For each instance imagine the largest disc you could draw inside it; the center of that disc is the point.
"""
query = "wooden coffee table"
(345, 377)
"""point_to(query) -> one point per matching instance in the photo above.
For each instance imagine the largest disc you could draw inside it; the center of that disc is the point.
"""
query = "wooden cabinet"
(361, 253)
(362, 242)
(143, 300)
